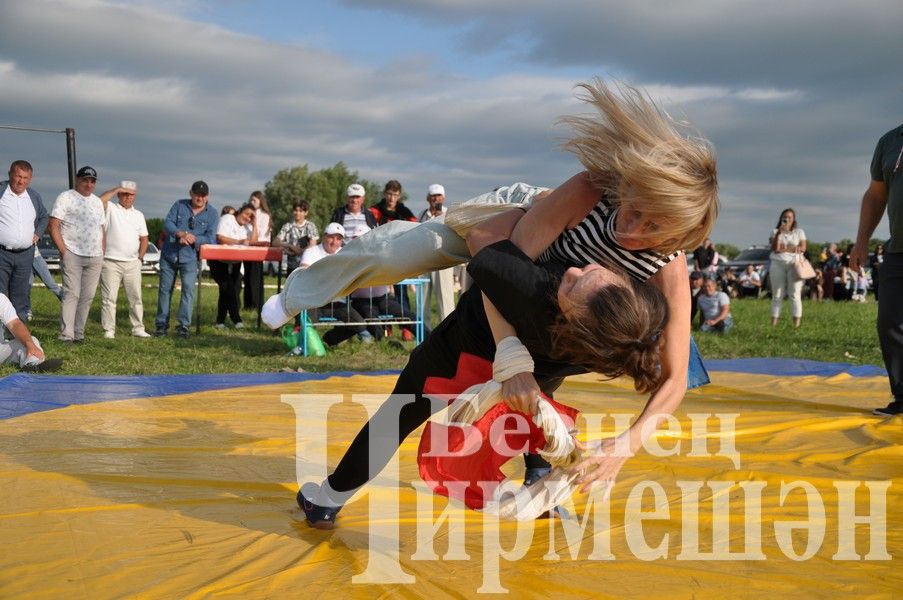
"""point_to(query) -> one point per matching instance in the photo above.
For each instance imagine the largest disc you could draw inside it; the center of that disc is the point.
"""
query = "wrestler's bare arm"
(673, 281)
(559, 209)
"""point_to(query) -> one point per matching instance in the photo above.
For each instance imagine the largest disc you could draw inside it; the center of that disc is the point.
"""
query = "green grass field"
(834, 332)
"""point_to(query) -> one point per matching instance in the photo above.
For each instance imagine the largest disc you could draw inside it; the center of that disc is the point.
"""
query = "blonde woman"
(788, 242)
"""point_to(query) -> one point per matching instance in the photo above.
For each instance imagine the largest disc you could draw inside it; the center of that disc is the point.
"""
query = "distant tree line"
(323, 189)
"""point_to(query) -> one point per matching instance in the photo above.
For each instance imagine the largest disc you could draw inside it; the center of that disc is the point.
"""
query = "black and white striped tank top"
(593, 241)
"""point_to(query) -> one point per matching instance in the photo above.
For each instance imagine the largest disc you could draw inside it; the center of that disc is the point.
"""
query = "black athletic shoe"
(183, 333)
(159, 332)
(894, 408)
(535, 474)
(318, 517)
(48, 366)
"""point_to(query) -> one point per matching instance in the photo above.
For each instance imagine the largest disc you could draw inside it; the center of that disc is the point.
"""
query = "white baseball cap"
(356, 189)
(435, 190)
(334, 228)
(128, 185)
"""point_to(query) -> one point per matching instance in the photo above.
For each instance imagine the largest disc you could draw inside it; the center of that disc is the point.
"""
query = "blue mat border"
(21, 394)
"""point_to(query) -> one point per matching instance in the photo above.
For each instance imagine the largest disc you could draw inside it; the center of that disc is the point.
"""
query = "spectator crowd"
(832, 279)
(102, 240)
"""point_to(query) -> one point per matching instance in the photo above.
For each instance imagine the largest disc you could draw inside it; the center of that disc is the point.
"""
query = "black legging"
(437, 356)
(373, 308)
(227, 276)
(253, 283)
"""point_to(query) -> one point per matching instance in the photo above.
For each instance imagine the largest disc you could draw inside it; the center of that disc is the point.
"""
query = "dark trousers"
(343, 314)
(890, 321)
(227, 276)
(253, 283)
(407, 408)
(373, 308)
(15, 275)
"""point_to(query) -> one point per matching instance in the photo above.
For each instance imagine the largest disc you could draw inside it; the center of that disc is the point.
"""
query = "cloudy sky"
(794, 95)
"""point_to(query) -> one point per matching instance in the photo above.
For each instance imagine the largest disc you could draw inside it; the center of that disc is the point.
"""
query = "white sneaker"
(240, 325)
(109, 335)
(141, 334)
(219, 326)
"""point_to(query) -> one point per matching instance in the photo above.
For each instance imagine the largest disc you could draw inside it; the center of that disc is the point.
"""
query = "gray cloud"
(793, 106)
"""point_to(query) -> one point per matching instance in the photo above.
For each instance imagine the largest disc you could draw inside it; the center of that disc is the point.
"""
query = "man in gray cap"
(77, 229)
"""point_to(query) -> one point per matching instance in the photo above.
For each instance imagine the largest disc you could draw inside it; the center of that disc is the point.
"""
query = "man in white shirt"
(77, 228)
(441, 282)
(23, 350)
(330, 243)
(23, 220)
(126, 245)
(750, 282)
(714, 308)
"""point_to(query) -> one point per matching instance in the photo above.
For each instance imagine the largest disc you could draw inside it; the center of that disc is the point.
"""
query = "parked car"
(49, 251)
(757, 256)
(151, 262)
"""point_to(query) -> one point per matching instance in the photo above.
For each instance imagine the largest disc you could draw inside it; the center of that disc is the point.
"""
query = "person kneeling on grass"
(23, 350)
(714, 308)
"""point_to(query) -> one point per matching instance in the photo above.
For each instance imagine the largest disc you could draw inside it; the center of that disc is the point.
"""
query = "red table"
(239, 253)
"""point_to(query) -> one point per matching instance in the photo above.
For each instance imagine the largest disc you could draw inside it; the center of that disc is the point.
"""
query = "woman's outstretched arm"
(673, 281)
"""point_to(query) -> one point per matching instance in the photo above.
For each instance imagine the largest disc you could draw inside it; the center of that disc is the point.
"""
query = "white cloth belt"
(525, 503)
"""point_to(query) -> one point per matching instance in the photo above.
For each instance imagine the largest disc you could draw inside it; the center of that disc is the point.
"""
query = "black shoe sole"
(881, 413)
(48, 366)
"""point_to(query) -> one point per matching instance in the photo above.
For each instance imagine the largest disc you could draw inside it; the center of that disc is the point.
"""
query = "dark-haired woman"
(253, 277)
(788, 243)
(239, 229)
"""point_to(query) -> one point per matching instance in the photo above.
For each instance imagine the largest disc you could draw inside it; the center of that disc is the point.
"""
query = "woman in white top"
(788, 242)
(254, 270)
(239, 229)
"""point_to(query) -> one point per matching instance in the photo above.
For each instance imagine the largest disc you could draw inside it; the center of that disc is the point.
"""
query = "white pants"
(128, 274)
(785, 281)
(12, 352)
(397, 250)
(442, 284)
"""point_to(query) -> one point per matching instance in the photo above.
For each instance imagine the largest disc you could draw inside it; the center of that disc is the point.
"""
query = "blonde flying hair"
(637, 154)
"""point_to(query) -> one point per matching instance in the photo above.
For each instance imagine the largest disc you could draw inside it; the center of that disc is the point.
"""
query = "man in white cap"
(352, 217)
(339, 309)
(126, 244)
(442, 283)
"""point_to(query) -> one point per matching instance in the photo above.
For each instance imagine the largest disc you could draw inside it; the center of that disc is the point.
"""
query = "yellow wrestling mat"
(193, 496)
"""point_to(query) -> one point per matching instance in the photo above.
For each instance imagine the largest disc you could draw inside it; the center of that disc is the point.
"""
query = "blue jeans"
(722, 327)
(188, 275)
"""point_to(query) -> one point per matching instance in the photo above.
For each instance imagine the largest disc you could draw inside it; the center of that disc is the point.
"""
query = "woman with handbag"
(788, 243)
